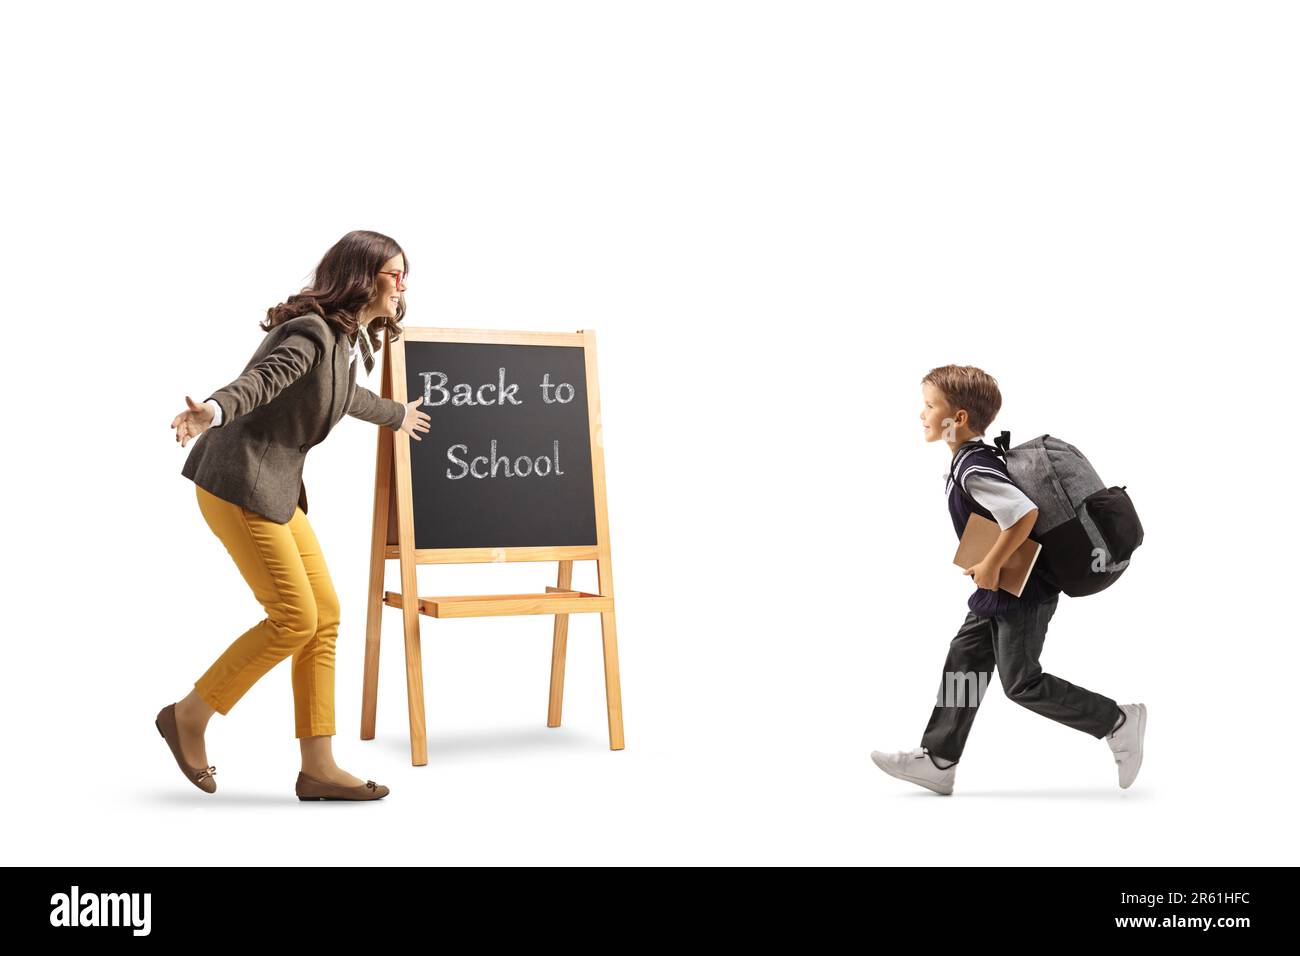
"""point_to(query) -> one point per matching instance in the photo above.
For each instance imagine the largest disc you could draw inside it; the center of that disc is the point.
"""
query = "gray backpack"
(1088, 531)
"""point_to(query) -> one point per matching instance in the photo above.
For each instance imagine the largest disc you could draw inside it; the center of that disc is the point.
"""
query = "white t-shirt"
(1007, 503)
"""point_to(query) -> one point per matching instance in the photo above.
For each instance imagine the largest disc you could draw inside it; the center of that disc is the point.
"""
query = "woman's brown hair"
(343, 283)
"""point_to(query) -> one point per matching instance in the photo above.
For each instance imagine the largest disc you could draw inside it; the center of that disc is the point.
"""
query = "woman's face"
(388, 289)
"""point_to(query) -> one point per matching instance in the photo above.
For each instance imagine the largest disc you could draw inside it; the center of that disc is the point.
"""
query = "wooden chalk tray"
(553, 601)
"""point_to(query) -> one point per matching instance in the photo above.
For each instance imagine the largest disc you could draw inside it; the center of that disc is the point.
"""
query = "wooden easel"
(393, 536)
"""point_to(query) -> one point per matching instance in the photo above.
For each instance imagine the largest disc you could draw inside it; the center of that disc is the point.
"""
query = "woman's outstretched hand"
(192, 422)
(415, 420)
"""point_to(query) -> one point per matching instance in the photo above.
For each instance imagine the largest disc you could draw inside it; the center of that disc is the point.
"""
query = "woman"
(247, 472)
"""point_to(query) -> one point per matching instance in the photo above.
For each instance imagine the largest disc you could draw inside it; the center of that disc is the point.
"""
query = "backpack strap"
(1002, 444)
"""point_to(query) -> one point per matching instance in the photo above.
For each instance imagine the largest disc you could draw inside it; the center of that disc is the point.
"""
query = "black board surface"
(533, 487)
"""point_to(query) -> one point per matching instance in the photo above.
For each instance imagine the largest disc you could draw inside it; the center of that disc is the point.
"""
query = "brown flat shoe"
(201, 777)
(309, 788)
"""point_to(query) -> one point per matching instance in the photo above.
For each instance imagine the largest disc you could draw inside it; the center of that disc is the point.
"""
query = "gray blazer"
(292, 393)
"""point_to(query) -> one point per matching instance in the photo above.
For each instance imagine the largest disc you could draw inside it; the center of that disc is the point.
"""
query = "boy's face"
(939, 419)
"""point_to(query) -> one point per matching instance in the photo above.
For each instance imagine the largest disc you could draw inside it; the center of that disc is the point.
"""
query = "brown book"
(978, 540)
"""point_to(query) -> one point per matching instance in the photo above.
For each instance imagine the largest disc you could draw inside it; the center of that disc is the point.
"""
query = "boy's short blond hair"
(971, 388)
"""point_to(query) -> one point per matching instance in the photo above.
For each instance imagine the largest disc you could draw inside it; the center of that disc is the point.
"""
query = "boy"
(1002, 630)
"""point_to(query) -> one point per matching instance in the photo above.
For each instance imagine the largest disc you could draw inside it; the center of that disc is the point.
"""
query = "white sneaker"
(1126, 743)
(915, 766)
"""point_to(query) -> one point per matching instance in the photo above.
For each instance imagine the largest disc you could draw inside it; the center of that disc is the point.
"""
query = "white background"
(777, 217)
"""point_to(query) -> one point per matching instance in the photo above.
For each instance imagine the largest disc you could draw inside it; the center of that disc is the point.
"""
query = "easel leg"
(613, 693)
(375, 593)
(414, 677)
(559, 647)
(393, 476)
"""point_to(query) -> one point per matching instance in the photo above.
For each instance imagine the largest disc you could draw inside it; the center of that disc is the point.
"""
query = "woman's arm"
(369, 407)
(300, 351)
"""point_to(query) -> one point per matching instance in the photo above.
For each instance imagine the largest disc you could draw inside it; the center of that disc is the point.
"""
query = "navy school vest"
(976, 457)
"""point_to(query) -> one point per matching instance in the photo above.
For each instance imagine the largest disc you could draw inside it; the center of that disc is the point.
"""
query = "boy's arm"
(1013, 510)
(1010, 539)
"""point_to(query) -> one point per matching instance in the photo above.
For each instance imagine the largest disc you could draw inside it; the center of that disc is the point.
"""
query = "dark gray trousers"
(1012, 644)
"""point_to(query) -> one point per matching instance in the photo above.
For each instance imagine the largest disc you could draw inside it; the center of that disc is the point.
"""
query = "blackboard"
(506, 462)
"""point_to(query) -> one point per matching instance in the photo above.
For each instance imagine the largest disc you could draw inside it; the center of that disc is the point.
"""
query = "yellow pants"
(284, 566)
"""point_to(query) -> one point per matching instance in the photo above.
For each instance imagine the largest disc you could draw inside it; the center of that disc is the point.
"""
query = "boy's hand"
(986, 575)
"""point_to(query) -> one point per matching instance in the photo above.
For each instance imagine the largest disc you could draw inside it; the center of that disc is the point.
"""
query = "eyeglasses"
(397, 276)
